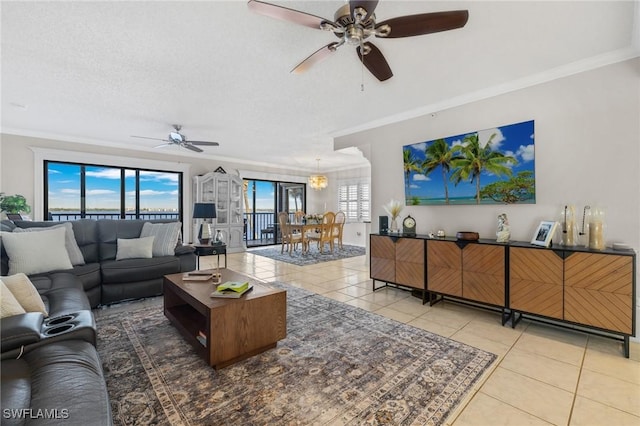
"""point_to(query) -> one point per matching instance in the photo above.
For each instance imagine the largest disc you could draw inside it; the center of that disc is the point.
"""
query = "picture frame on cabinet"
(544, 233)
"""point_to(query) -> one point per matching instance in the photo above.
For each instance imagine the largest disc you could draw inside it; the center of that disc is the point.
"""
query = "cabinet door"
(222, 200)
(483, 273)
(444, 268)
(410, 262)
(535, 281)
(207, 191)
(235, 201)
(599, 290)
(383, 258)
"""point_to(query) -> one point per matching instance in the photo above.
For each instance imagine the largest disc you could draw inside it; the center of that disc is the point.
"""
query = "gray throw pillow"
(166, 237)
(134, 248)
(70, 243)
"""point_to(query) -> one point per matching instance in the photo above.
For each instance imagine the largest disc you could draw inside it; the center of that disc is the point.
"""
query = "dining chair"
(289, 237)
(298, 215)
(338, 227)
(323, 234)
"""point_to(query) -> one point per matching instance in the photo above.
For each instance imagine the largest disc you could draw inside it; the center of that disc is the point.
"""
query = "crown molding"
(573, 68)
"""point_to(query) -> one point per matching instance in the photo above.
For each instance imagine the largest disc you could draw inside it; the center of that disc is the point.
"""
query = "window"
(74, 191)
(354, 201)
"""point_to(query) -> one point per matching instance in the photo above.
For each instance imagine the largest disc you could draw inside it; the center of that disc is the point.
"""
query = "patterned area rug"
(312, 257)
(338, 365)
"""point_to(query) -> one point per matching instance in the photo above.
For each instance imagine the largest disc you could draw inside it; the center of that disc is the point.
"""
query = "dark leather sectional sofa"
(51, 373)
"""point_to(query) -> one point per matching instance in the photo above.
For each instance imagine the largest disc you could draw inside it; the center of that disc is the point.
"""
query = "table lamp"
(204, 211)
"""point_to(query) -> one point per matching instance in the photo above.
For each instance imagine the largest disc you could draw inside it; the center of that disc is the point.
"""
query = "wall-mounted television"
(491, 166)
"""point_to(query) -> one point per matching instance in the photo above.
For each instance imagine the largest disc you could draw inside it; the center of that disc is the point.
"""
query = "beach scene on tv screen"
(491, 166)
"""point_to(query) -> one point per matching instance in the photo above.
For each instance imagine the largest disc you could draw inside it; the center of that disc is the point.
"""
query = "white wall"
(21, 172)
(587, 147)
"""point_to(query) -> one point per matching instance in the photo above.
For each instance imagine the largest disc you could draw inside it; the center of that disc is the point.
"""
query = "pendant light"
(318, 181)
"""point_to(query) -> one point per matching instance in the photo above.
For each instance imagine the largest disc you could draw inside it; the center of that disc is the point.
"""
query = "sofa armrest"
(184, 249)
(20, 330)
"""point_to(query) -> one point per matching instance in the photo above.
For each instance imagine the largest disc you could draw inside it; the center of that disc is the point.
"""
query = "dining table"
(303, 229)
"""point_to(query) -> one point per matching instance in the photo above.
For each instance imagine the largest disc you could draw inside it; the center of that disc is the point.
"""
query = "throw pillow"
(9, 306)
(133, 248)
(75, 255)
(25, 293)
(166, 237)
(36, 252)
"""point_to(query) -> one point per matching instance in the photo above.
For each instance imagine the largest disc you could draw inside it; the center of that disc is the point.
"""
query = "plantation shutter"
(353, 200)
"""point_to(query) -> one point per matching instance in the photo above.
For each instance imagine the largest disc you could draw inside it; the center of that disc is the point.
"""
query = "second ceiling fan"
(355, 22)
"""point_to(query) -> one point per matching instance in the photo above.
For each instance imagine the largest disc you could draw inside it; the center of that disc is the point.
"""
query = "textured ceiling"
(99, 72)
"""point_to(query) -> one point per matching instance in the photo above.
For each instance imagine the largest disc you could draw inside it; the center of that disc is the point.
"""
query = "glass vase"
(568, 226)
(394, 225)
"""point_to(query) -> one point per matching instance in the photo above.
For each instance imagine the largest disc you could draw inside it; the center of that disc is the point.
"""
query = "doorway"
(264, 199)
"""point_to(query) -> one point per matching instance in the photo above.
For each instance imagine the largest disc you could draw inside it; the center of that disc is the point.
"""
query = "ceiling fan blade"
(154, 139)
(375, 62)
(191, 147)
(424, 23)
(203, 143)
(162, 145)
(368, 5)
(317, 56)
(286, 14)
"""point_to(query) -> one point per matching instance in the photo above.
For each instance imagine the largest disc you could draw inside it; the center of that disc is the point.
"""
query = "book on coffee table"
(232, 293)
(196, 277)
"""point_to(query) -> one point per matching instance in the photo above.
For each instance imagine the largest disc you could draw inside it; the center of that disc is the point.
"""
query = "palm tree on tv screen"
(475, 159)
(439, 154)
(410, 165)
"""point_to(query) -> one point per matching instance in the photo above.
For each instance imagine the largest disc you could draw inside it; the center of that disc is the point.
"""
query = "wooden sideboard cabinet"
(397, 260)
(468, 270)
(572, 287)
(586, 288)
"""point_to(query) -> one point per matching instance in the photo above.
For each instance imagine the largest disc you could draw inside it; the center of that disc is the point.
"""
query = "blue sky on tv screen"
(515, 140)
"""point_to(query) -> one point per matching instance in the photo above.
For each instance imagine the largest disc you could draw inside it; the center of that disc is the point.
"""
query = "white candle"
(596, 235)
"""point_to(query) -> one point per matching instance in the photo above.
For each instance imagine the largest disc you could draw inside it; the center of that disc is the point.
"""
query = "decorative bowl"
(468, 236)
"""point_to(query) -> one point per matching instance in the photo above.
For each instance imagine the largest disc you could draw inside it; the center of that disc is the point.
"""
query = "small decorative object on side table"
(503, 233)
(409, 226)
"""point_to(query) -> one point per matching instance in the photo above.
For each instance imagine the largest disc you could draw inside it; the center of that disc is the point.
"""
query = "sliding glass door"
(263, 201)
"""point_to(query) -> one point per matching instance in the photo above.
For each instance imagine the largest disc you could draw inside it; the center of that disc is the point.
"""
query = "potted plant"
(14, 204)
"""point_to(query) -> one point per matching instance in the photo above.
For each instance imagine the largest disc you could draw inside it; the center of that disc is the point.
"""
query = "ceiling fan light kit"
(355, 22)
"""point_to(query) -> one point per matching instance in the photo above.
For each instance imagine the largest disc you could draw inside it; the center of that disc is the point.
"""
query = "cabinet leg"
(515, 318)
(626, 346)
(433, 299)
(506, 316)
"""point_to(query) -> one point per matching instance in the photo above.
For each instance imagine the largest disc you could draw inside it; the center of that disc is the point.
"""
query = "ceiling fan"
(177, 138)
(355, 22)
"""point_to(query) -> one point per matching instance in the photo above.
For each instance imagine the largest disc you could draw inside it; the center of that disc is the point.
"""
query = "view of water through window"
(79, 190)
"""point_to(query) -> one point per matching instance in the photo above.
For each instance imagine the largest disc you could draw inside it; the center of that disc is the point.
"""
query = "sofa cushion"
(65, 376)
(166, 237)
(132, 270)
(35, 252)
(135, 248)
(61, 293)
(25, 293)
(110, 230)
(9, 305)
(75, 255)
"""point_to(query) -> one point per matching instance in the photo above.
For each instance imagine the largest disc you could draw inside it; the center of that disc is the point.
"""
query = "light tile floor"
(545, 375)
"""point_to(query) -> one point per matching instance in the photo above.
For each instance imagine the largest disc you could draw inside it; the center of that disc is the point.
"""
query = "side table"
(209, 250)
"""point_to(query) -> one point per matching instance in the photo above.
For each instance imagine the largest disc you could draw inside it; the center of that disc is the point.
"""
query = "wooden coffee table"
(230, 329)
